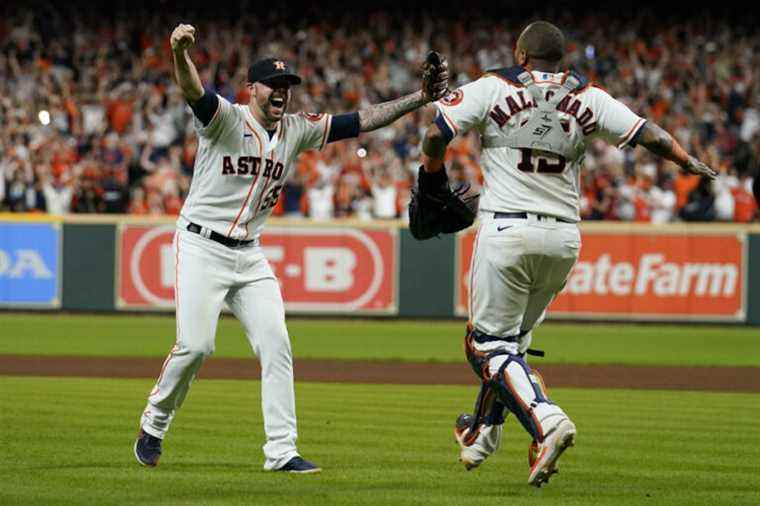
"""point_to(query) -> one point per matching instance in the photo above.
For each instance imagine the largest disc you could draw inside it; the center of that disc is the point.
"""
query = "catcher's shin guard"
(479, 434)
(523, 394)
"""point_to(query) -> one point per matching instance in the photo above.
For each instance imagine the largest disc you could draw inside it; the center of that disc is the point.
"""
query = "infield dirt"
(727, 379)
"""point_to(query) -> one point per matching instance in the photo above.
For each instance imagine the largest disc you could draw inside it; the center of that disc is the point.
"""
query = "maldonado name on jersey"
(569, 105)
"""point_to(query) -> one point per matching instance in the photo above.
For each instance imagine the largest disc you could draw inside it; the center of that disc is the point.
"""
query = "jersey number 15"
(540, 163)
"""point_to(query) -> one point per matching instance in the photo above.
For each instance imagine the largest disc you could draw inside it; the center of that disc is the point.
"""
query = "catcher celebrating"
(245, 155)
(535, 122)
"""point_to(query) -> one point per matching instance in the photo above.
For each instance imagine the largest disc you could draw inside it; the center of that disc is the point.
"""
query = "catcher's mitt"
(436, 209)
(435, 76)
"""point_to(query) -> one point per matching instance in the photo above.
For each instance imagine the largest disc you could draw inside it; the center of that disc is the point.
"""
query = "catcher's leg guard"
(522, 390)
(523, 394)
(479, 434)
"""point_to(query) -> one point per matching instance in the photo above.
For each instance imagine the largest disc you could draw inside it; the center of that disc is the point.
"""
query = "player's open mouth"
(277, 102)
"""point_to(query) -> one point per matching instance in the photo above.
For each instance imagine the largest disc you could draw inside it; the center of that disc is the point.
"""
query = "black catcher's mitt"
(436, 209)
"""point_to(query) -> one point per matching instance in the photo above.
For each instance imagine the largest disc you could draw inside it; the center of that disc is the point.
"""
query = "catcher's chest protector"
(543, 131)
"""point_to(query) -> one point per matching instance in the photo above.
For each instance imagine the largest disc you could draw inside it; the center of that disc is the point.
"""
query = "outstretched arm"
(435, 83)
(660, 142)
(379, 115)
(182, 39)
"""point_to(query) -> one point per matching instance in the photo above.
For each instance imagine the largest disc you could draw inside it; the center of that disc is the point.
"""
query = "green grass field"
(385, 340)
(70, 443)
(69, 440)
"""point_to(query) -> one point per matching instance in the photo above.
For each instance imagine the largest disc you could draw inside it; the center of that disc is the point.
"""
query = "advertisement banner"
(30, 260)
(321, 270)
(662, 276)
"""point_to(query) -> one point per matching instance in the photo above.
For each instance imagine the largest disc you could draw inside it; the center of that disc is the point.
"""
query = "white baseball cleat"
(477, 446)
(559, 439)
(468, 455)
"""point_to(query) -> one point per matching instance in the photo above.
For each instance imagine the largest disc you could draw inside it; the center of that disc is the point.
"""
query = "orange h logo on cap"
(279, 65)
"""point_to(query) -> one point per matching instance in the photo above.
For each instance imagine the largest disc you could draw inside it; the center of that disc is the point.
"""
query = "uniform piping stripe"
(631, 133)
(175, 347)
(253, 183)
(269, 180)
(253, 215)
(281, 130)
(216, 113)
(472, 269)
(328, 125)
(176, 284)
(448, 120)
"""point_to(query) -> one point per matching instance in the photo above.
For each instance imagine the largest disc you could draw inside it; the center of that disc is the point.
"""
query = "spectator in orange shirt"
(745, 206)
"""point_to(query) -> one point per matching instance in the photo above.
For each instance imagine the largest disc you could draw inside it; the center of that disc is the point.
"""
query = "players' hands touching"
(183, 37)
(435, 77)
(694, 166)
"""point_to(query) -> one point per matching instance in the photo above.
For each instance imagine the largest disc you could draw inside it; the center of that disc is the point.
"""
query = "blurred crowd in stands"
(90, 120)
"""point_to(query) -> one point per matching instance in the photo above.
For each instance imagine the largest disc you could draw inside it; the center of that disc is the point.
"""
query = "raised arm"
(182, 39)
(435, 79)
(661, 143)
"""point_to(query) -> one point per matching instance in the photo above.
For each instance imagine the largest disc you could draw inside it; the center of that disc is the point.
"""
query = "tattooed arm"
(379, 115)
(659, 142)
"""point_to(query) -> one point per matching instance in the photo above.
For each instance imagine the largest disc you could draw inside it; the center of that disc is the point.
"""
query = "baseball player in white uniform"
(534, 123)
(245, 155)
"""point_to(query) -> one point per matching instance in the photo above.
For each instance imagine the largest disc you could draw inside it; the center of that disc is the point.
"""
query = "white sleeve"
(223, 121)
(312, 130)
(616, 124)
(465, 107)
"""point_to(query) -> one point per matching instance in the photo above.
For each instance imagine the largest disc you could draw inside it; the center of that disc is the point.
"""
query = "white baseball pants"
(518, 266)
(207, 274)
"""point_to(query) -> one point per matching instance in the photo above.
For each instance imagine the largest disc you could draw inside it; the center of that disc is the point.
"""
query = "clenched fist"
(183, 37)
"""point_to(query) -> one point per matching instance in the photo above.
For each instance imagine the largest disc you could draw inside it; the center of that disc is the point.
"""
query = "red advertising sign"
(145, 275)
(332, 270)
(644, 276)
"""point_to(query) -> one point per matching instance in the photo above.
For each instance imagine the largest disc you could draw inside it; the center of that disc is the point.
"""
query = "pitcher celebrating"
(245, 155)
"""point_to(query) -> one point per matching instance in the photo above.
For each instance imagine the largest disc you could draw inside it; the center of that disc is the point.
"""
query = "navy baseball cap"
(271, 68)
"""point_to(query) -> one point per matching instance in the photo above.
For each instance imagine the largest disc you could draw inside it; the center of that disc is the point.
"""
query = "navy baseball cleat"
(148, 449)
(299, 465)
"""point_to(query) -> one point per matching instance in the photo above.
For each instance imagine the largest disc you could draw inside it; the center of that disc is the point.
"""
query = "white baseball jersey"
(240, 172)
(524, 180)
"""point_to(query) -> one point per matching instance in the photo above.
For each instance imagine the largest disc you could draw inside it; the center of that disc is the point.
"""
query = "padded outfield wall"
(347, 268)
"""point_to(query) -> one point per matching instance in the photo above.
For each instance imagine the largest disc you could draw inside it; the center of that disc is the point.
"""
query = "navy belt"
(221, 239)
(524, 216)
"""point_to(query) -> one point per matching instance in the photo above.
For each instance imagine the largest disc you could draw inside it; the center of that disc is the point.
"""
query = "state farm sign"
(331, 270)
(640, 276)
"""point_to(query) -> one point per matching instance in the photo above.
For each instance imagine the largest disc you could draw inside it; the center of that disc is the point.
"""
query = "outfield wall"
(626, 271)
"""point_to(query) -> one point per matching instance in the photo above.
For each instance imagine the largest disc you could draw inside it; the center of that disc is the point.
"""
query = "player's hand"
(183, 37)
(694, 166)
(435, 77)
